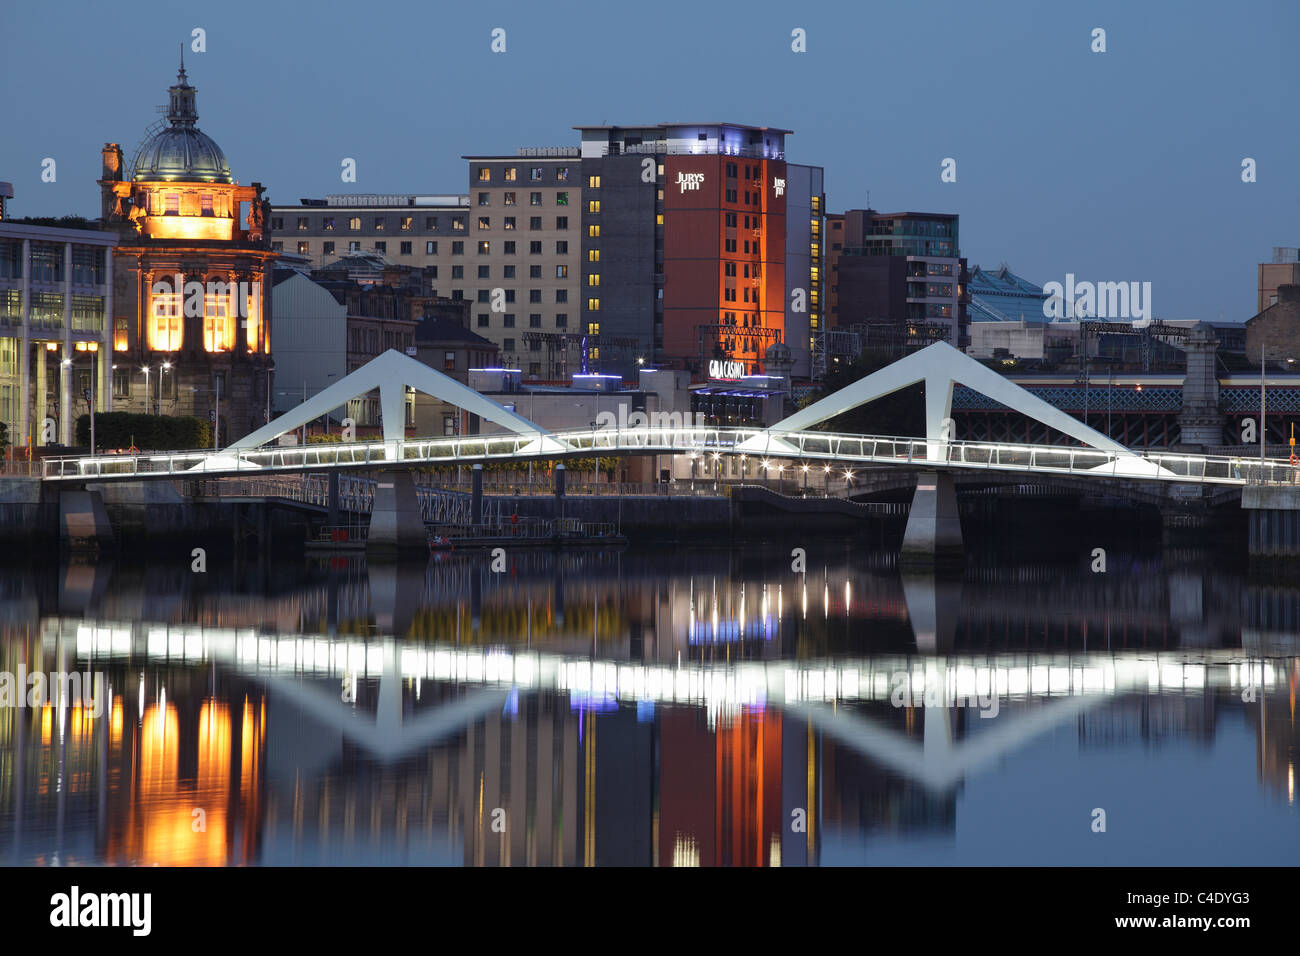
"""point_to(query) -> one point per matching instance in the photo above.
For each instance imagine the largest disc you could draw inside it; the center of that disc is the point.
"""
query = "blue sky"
(1116, 166)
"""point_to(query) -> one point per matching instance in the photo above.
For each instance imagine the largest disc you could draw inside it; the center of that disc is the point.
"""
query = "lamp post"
(145, 369)
(93, 349)
(164, 367)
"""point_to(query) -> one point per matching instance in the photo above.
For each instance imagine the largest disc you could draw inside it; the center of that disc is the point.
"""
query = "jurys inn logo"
(691, 181)
(779, 186)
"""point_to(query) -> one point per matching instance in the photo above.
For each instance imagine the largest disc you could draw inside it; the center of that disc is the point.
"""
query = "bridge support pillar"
(476, 495)
(1274, 516)
(933, 536)
(396, 526)
(332, 497)
(83, 520)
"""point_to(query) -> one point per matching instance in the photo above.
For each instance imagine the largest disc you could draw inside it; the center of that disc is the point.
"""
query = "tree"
(899, 413)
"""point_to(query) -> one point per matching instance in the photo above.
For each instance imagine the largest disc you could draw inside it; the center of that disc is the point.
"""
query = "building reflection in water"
(718, 712)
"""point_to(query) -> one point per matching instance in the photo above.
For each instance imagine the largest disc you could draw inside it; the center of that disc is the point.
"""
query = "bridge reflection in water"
(702, 709)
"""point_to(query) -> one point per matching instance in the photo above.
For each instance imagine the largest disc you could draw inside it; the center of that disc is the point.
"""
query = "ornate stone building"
(192, 271)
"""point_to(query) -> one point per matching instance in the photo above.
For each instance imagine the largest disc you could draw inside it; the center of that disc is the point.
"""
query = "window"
(534, 320)
(449, 424)
(593, 206)
(561, 222)
(534, 272)
(508, 320)
(329, 248)
(593, 232)
(731, 170)
(534, 295)
(561, 199)
(509, 199)
(379, 224)
(407, 222)
(354, 223)
(512, 173)
(509, 247)
(166, 321)
(593, 328)
(534, 346)
(405, 249)
(484, 222)
(381, 247)
(482, 320)
(432, 272)
(561, 272)
(431, 223)
(534, 222)
(507, 272)
(458, 248)
(561, 295)
(484, 295)
(485, 199)
(534, 199)
(277, 223)
(457, 223)
(354, 245)
(731, 195)
(729, 245)
(593, 182)
(431, 248)
(458, 272)
(485, 248)
(172, 205)
(328, 223)
(731, 220)
(561, 320)
(508, 345)
(593, 305)
(304, 248)
(484, 174)
(562, 247)
(205, 204)
(535, 174)
(562, 174)
(449, 361)
(485, 272)
(510, 222)
(510, 297)
(593, 278)
(659, 219)
(593, 255)
(534, 248)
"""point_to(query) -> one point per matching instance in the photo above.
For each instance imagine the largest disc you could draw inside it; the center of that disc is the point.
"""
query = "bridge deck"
(807, 449)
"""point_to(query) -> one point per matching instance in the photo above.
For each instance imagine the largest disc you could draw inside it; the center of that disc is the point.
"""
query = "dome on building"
(181, 152)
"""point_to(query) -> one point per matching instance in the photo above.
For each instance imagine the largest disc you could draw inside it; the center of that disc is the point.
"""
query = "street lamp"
(145, 369)
(164, 367)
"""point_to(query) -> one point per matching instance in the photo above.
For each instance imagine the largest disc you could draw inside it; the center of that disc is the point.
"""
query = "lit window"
(535, 174)
(304, 248)
(511, 174)
(205, 205)
(593, 255)
(173, 205)
(561, 199)
(561, 272)
(510, 222)
(166, 326)
(509, 199)
(379, 224)
(484, 174)
(593, 231)
(593, 305)
(659, 219)
(593, 206)
(593, 328)
(484, 222)
(593, 182)
(484, 248)
(354, 223)
(303, 223)
(407, 223)
(562, 174)
(593, 279)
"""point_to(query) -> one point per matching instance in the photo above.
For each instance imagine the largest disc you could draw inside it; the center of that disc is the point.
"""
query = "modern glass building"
(56, 286)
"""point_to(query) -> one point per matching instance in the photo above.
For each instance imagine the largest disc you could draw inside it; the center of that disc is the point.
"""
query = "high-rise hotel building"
(701, 248)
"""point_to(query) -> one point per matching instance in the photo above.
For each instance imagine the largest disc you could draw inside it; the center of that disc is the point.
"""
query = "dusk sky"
(1116, 166)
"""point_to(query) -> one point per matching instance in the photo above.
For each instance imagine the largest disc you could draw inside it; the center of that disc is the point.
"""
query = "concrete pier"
(396, 526)
(933, 536)
(83, 520)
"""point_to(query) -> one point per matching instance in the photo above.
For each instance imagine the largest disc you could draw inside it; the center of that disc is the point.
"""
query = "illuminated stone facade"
(192, 295)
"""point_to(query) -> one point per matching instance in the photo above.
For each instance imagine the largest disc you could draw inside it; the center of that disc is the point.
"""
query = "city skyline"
(1104, 167)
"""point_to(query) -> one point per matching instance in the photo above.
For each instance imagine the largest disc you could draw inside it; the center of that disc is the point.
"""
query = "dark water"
(684, 707)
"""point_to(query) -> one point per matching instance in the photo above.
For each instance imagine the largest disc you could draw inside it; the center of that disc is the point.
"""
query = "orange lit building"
(192, 294)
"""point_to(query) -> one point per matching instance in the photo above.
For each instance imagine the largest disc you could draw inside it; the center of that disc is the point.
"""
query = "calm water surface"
(687, 707)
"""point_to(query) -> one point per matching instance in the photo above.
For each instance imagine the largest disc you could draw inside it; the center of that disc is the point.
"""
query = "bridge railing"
(698, 441)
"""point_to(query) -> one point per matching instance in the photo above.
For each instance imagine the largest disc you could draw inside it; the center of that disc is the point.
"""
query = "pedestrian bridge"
(793, 442)
(778, 452)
